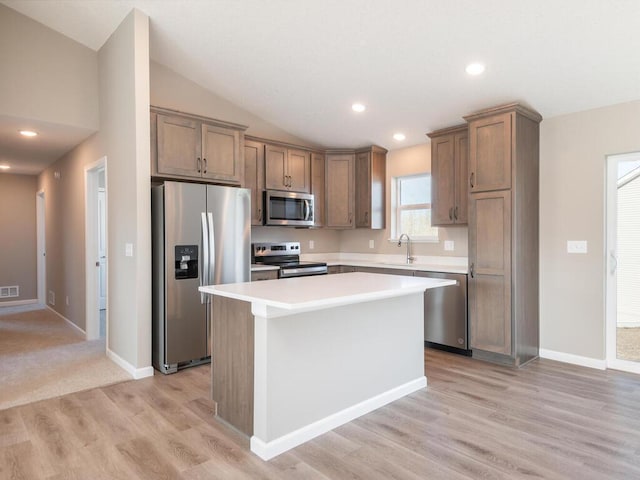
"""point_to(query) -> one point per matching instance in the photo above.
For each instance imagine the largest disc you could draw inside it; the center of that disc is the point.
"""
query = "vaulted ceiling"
(301, 64)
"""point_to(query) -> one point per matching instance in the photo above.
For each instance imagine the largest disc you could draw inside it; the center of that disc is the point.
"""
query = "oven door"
(288, 208)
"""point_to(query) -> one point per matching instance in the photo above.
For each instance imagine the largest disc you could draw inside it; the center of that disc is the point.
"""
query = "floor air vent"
(8, 292)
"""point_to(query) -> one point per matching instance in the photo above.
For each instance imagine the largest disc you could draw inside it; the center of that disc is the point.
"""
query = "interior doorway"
(96, 250)
(41, 250)
(623, 262)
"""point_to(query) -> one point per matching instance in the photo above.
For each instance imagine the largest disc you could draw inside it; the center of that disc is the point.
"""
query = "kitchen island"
(295, 358)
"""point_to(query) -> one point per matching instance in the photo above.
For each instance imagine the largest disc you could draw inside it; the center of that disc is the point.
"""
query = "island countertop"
(323, 291)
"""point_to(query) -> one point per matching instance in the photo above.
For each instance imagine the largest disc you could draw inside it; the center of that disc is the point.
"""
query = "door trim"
(92, 315)
(41, 248)
(611, 307)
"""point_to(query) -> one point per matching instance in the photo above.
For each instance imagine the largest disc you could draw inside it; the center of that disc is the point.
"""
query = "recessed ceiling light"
(358, 107)
(399, 136)
(4, 167)
(474, 69)
(28, 133)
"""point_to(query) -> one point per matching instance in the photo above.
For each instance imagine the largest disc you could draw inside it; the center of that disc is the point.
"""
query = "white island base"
(285, 372)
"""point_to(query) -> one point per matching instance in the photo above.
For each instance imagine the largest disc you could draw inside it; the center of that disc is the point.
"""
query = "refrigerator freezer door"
(185, 326)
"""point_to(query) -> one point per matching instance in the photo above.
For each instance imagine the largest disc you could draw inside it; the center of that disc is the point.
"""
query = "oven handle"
(299, 272)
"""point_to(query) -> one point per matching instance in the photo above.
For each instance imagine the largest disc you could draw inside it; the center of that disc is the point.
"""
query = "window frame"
(397, 208)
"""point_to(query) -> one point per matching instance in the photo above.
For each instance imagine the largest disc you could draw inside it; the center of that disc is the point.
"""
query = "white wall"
(573, 149)
(124, 127)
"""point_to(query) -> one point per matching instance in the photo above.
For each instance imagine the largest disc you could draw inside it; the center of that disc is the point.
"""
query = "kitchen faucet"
(409, 257)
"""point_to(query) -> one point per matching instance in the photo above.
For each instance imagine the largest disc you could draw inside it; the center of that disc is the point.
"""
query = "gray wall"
(18, 235)
(171, 90)
(46, 76)
(573, 150)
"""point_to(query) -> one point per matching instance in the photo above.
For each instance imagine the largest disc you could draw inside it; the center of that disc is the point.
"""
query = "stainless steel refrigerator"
(201, 235)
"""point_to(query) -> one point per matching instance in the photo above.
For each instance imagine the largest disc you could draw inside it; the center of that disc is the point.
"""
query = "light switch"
(576, 246)
(372, 244)
(449, 245)
(312, 244)
(128, 249)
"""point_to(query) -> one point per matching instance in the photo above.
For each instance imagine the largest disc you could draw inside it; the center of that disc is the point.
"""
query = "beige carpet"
(42, 356)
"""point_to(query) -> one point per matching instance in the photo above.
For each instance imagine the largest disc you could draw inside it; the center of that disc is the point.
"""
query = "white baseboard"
(136, 373)
(18, 306)
(268, 450)
(68, 321)
(573, 359)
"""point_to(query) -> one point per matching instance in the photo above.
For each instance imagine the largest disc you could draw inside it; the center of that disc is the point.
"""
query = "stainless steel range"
(285, 255)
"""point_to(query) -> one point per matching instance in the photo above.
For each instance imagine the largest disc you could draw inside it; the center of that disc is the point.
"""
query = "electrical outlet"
(128, 249)
(312, 244)
(66, 300)
(449, 245)
(576, 246)
(372, 244)
(52, 297)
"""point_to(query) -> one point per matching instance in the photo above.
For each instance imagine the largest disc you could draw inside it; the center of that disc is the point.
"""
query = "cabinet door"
(275, 161)
(363, 189)
(299, 170)
(221, 154)
(178, 146)
(490, 153)
(254, 177)
(318, 188)
(442, 180)
(461, 189)
(339, 188)
(490, 271)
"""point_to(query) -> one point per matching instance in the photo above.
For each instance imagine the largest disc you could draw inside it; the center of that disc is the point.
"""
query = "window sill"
(417, 240)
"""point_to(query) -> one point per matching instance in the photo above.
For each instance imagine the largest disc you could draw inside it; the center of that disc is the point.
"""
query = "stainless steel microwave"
(288, 208)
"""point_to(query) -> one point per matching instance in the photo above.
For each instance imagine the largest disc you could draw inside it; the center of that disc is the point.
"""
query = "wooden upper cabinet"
(299, 170)
(287, 169)
(178, 146)
(449, 170)
(254, 178)
(460, 212)
(490, 153)
(221, 159)
(340, 190)
(275, 167)
(191, 147)
(318, 188)
(370, 178)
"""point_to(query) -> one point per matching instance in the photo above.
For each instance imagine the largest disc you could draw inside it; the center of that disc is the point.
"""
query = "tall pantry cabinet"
(503, 234)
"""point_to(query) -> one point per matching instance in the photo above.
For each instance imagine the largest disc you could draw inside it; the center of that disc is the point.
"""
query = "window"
(412, 208)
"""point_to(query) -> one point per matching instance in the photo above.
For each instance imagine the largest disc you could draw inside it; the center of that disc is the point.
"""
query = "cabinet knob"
(450, 213)
(455, 213)
(366, 217)
(471, 272)
(205, 166)
(471, 179)
(198, 165)
(259, 214)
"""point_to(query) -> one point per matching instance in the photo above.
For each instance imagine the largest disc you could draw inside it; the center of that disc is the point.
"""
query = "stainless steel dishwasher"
(445, 314)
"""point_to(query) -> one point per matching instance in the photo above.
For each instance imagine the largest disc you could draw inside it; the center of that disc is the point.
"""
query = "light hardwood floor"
(475, 420)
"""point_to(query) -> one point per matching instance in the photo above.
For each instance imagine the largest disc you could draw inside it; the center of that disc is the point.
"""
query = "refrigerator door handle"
(212, 254)
(204, 274)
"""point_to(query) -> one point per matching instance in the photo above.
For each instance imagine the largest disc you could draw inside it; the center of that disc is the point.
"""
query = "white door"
(102, 242)
(623, 262)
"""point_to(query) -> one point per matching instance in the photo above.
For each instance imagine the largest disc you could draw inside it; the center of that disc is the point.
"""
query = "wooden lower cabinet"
(254, 178)
(264, 275)
(340, 269)
(490, 271)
